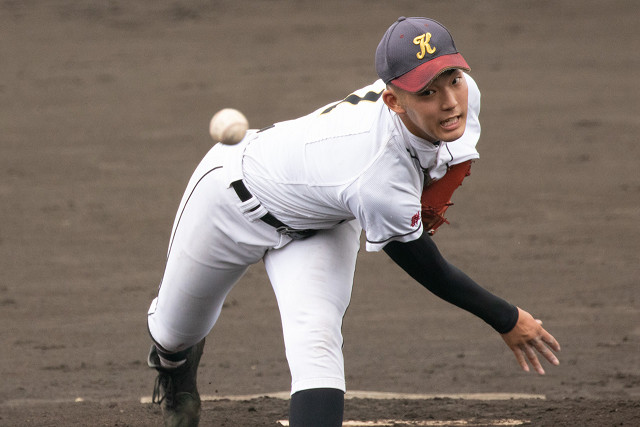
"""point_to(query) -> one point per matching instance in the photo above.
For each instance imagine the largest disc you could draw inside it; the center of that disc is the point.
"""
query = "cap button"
(402, 18)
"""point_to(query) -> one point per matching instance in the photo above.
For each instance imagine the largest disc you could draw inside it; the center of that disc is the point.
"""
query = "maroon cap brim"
(422, 75)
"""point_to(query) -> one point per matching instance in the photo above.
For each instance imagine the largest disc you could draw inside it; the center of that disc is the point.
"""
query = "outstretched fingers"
(550, 340)
(545, 344)
(527, 339)
(520, 358)
(533, 358)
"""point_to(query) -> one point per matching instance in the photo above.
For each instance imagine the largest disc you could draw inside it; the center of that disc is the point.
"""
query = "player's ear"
(392, 100)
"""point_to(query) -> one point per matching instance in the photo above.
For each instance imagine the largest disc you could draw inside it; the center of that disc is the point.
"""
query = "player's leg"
(312, 279)
(317, 407)
(203, 264)
(188, 305)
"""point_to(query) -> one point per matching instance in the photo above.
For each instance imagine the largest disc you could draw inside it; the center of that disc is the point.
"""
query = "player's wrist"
(507, 320)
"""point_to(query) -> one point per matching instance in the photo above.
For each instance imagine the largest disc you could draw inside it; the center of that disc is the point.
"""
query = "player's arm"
(422, 260)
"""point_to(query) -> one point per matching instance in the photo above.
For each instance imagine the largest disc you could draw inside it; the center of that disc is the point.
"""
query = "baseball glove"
(436, 196)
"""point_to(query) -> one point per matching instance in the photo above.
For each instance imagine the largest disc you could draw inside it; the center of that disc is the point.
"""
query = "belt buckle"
(295, 234)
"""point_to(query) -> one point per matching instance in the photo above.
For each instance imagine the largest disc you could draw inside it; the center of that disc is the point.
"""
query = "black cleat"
(176, 389)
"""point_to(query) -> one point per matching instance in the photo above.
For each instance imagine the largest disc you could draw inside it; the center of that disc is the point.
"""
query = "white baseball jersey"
(352, 159)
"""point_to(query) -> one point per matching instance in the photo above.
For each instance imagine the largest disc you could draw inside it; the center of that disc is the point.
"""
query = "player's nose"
(448, 99)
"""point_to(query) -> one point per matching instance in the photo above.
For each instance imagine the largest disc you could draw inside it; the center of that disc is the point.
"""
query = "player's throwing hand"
(527, 337)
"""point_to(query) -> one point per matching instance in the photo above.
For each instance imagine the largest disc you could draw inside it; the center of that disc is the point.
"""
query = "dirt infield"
(104, 109)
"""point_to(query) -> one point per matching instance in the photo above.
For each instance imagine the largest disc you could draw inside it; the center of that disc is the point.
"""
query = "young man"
(298, 194)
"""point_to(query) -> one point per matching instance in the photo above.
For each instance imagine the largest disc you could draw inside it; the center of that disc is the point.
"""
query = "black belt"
(243, 193)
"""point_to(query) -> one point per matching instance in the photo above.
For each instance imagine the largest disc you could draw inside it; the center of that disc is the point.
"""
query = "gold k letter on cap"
(423, 41)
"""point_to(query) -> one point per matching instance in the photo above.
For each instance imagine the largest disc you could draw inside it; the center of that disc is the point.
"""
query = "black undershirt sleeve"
(422, 260)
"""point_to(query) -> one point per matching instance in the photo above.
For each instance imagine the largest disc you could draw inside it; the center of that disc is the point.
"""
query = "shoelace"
(163, 389)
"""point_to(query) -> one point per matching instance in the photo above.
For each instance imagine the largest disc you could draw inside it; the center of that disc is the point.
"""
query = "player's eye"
(426, 92)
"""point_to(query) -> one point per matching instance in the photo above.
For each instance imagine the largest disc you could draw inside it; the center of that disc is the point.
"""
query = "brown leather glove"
(436, 196)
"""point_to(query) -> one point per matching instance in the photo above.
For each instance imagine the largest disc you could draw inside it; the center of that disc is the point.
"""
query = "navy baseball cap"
(414, 51)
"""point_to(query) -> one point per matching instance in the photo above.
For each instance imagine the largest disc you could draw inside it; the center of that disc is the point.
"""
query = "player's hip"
(212, 227)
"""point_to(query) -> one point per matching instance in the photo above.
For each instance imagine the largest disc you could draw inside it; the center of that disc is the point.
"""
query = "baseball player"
(297, 195)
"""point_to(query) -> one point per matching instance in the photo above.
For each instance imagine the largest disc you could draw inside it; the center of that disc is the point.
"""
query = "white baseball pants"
(211, 247)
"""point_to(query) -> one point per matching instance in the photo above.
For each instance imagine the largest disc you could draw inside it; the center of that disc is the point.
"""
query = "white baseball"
(228, 126)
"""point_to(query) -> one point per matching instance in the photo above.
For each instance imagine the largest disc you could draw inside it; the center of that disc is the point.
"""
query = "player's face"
(438, 112)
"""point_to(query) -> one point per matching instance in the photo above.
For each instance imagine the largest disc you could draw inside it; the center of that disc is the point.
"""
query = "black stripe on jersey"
(394, 237)
(414, 157)
(266, 128)
(354, 99)
(450, 154)
(425, 170)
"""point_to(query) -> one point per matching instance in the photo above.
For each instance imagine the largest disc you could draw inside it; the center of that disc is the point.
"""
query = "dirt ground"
(104, 111)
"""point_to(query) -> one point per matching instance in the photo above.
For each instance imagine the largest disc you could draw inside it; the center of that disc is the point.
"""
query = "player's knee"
(317, 336)
(315, 359)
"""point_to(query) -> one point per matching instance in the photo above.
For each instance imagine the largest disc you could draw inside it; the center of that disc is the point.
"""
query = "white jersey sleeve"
(386, 198)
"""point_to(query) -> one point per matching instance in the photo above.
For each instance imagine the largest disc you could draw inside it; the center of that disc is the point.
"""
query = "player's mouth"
(451, 123)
